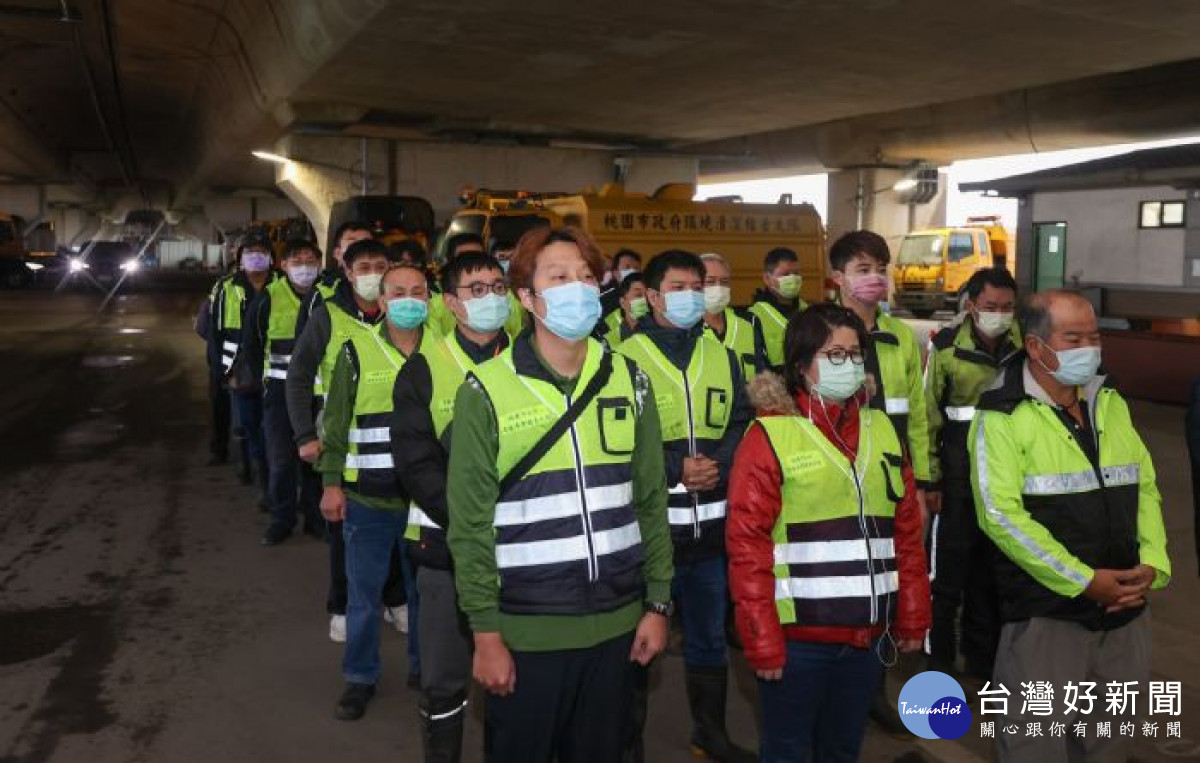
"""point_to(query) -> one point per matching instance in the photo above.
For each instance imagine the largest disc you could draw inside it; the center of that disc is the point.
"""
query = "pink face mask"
(868, 288)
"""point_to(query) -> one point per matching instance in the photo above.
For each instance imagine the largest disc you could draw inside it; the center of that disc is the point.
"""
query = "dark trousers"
(445, 639)
(819, 709)
(248, 418)
(961, 558)
(218, 399)
(700, 591)
(335, 602)
(292, 485)
(570, 705)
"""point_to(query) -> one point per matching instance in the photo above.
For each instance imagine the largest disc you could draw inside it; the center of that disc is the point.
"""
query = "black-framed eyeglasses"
(499, 288)
(839, 356)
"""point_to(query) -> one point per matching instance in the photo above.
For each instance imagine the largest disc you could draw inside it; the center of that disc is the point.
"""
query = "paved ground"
(141, 621)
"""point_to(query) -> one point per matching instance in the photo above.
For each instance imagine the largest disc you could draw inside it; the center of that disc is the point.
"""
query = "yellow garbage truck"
(933, 265)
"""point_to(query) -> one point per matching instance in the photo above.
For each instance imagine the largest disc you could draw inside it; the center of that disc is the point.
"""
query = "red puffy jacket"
(754, 506)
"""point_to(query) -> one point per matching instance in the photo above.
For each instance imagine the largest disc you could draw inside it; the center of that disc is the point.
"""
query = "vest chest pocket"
(616, 424)
(716, 408)
(893, 476)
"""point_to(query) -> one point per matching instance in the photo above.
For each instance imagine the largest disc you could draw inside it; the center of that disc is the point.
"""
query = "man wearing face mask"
(229, 314)
(741, 336)
(702, 406)
(352, 309)
(775, 305)
(268, 339)
(476, 295)
(621, 323)
(361, 491)
(625, 263)
(1065, 488)
(963, 362)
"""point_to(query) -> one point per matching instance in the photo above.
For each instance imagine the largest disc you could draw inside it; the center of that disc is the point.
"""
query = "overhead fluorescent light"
(268, 156)
(905, 184)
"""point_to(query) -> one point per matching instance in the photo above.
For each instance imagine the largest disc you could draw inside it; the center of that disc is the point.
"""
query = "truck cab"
(933, 265)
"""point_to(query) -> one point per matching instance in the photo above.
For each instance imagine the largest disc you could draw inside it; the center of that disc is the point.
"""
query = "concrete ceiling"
(168, 96)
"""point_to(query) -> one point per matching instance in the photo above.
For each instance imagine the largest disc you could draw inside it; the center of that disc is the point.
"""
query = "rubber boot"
(707, 689)
(442, 729)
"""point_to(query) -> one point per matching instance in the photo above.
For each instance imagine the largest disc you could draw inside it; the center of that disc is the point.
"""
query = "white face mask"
(367, 286)
(716, 298)
(992, 324)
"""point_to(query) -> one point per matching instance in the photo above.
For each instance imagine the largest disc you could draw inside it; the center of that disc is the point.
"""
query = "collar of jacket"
(787, 308)
(677, 344)
(526, 360)
(1015, 384)
(481, 352)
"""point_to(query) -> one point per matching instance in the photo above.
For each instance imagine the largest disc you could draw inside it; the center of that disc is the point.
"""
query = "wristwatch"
(666, 609)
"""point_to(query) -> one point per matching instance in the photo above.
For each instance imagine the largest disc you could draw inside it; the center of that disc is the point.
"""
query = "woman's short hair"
(523, 262)
(808, 332)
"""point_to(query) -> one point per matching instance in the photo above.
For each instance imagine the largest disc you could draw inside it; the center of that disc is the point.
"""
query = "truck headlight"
(76, 265)
(129, 266)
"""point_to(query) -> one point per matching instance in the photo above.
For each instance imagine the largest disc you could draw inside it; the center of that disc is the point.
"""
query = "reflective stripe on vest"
(567, 535)
(1080, 482)
(896, 406)
(835, 560)
(694, 408)
(281, 328)
(960, 412)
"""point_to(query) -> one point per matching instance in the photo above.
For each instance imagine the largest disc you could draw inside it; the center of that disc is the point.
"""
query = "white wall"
(1104, 243)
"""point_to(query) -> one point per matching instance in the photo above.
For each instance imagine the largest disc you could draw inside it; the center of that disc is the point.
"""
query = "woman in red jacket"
(826, 562)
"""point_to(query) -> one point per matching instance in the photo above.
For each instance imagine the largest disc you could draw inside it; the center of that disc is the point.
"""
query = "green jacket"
(473, 492)
(957, 372)
(1060, 503)
(895, 362)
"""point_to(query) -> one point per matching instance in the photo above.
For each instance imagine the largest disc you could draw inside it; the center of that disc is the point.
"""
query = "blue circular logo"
(933, 706)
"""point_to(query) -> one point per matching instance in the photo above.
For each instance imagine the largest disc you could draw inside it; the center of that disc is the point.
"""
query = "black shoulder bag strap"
(552, 436)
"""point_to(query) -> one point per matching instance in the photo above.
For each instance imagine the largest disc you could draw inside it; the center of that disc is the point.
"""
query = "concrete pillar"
(327, 170)
(884, 212)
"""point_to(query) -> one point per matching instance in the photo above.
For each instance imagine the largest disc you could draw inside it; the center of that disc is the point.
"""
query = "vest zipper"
(593, 562)
(687, 395)
(862, 521)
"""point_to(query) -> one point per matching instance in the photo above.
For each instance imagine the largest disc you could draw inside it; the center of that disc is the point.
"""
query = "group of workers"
(551, 457)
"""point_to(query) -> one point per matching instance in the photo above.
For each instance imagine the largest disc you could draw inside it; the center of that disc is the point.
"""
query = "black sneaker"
(275, 535)
(353, 703)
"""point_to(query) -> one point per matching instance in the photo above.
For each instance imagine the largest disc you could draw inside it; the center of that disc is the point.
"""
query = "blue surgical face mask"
(486, 314)
(572, 309)
(683, 309)
(1076, 366)
(406, 312)
(504, 266)
(838, 382)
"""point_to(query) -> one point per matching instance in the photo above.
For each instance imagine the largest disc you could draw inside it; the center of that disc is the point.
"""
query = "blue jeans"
(370, 537)
(248, 418)
(819, 709)
(699, 590)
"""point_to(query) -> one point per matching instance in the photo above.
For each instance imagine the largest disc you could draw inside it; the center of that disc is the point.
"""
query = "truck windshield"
(921, 250)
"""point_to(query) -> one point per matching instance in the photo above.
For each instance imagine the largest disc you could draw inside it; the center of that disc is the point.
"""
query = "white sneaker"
(397, 616)
(337, 628)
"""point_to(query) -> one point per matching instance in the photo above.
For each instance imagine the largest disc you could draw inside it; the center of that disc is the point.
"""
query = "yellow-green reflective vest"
(369, 470)
(835, 557)
(693, 407)
(774, 327)
(448, 366)
(567, 536)
(342, 328)
(281, 329)
(900, 388)
(739, 337)
(229, 325)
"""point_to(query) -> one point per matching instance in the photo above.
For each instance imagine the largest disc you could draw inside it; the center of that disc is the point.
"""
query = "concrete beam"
(327, 170)
(1156, 102)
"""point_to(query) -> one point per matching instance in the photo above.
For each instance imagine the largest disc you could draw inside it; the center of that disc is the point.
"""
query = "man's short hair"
(777, 255)
(628, 282)
(296, 245)
(996, 277)
(349, 225)
(656, 269)
(458, 240)
(626, 253)
(409, 247)
(1034, 313)
(463, 265)
(365, 248)
(857, 242)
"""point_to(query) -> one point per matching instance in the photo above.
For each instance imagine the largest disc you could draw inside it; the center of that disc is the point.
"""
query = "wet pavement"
(140, 620)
